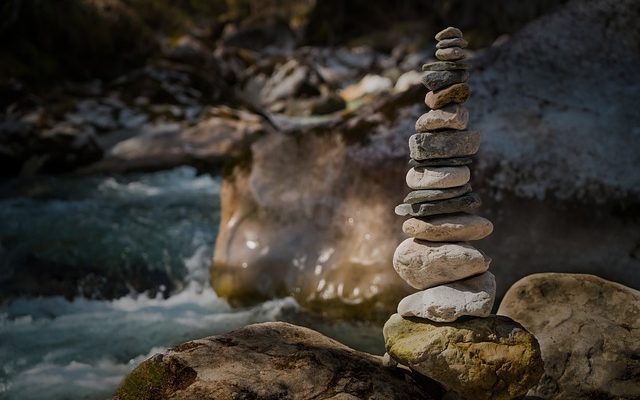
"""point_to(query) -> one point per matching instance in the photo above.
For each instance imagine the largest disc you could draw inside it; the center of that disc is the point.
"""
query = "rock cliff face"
(308, 213)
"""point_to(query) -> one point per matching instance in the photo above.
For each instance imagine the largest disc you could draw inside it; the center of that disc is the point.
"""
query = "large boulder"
(589, 334)
(311, 213)
(270, 361)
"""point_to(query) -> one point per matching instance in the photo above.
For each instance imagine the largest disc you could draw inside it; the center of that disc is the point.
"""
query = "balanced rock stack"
(435, 331)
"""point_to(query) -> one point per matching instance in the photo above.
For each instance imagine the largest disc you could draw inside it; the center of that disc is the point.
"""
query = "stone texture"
(436, 80)
(491, 358)
(448, 228)
(466, 203)
(452, 42)
(453, 116)
(448, 302)
(441, 162)
(437, 177)
(458, 93)
(449, 33)
(450, 54)
(589, 333)
(425, 264)
(445, 66)
(420, 196)
(443, 144)
(272, 360)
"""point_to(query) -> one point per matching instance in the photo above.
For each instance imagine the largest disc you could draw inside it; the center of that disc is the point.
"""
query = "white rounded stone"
(425, 264)
(437, 177)
(448, 228)
(446, 303)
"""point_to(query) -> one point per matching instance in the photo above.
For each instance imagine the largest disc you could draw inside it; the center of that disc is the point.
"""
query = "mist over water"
(99, 273)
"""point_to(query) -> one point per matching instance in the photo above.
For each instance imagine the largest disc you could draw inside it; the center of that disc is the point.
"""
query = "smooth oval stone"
(425, 264)
(448, 33)
(453, 116)
(441, 162)
(450, 54)
(437, 80)
(457, 93)
(443, 144)
(452, 42)
(437, 177)
(446, 303)
(420, 196)
(466, 203)
(445, 66)
(448, 228)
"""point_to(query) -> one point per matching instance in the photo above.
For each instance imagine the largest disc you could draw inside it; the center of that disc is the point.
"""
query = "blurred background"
(173, 169)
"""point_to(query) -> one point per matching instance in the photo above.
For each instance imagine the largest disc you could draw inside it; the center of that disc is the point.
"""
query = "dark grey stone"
(443, 144)
(421, 196)
(445, 66)
(441, 162)
(467, 203)
(436, 80)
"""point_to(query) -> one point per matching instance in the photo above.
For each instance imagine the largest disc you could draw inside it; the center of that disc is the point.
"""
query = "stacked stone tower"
(437, 258)
(445, 330)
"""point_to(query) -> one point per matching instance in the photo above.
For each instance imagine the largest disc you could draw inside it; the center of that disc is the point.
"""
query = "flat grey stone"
(450, 54)
(446, 303)
(421, 196)
(437, 80)
(441, 162)
(452, 42)
(443, 144)
(445, 66)
(449, 33)
(465, 203)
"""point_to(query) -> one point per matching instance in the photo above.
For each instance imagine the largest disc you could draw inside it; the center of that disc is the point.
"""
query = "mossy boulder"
(477, 358)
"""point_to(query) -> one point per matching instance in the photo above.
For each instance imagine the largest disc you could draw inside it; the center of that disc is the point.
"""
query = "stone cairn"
(451, 274)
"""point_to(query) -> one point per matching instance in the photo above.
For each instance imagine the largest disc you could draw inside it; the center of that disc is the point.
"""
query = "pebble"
(450, 54)
(448, 33)
(448, 228)
(453, 42)
(437, 177)
(457, 93)
(441, 162)
(445, 66)
(446, 303)
(437, 80)
(443, 144)
(453, 116)
(425, 264)
(465, 203)
(420, 196)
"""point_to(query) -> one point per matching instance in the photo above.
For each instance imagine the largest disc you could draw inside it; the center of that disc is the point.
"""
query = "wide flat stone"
(448, 228)
(441, 162)
(448, 33)
(443, 144)
(445, 66)
(465, 203)
(436, 80)
(457, 93)
(446, 303)
(453, 116)
(450, 54)
(420, 196)
(452, 42)
(437, 177)
(491, 358)
(425, 264)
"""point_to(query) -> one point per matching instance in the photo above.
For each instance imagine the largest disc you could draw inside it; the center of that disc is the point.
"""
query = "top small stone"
(449, 33)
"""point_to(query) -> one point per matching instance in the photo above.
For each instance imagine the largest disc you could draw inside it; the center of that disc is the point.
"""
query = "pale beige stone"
(425, 264)
(437, 177)
(450, 54)
(452, 42)
(453, 116)
(449, 33)
(448, 228)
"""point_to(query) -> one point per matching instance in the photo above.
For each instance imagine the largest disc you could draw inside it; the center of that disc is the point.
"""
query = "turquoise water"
(99, 273)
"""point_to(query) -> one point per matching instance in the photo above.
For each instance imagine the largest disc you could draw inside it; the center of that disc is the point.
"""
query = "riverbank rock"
(589, 334)
(270, 361)
(477, 358)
